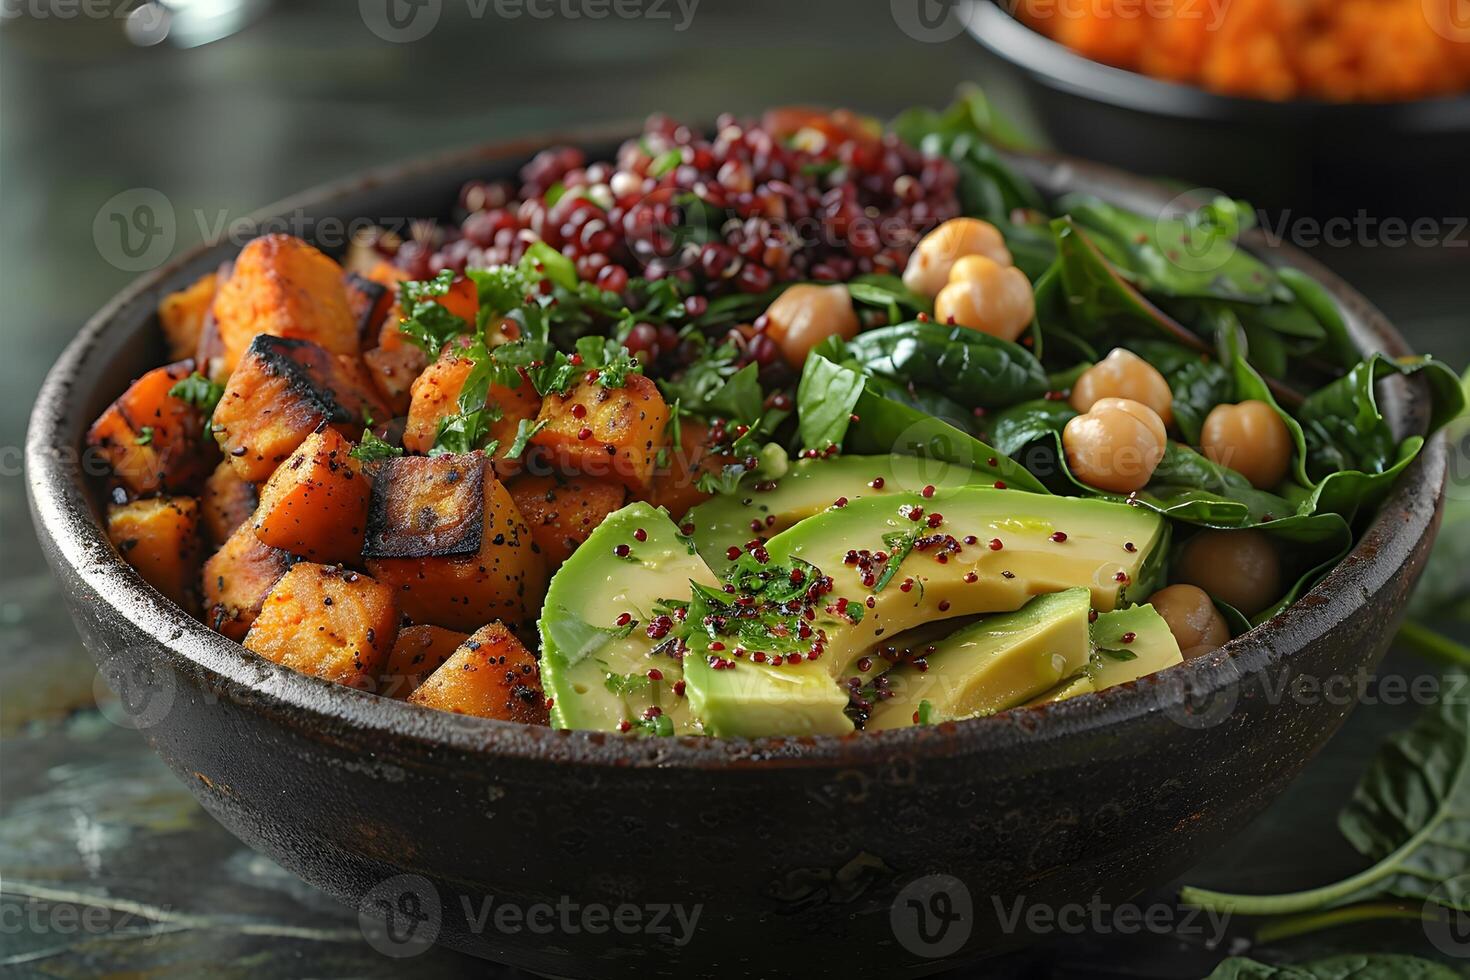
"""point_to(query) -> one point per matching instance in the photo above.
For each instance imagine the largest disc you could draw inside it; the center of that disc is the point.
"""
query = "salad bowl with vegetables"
(870, 498)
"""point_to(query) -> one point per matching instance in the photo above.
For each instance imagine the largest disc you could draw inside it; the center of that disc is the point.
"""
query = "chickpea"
(929, 266)
(987, 296)
(1237, 567)
(1192, 617)
(1251, 439)
(1123, 374)
(1116, 446)
(804, 316)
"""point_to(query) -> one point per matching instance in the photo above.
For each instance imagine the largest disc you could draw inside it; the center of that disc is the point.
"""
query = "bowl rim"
(1006, 36)
(75, 540)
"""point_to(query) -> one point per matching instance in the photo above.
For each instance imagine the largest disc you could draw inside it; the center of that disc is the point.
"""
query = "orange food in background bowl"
(1335, 50)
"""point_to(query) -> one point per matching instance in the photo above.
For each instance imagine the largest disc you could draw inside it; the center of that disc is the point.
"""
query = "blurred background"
(219, 107)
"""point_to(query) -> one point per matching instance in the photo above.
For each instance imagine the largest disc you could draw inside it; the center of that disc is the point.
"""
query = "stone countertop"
(107, 866)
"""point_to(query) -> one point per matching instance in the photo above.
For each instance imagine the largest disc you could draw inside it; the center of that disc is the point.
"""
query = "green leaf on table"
(1410, 815)
(1353, 966)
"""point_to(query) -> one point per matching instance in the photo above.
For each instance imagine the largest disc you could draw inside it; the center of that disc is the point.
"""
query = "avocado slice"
(1069, 688)
(1114, 661)
(766, 508)
(996, 663)
(988, 551)
(595, 671)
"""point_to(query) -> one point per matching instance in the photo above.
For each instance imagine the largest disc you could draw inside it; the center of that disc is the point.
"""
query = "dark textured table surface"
(107, 866)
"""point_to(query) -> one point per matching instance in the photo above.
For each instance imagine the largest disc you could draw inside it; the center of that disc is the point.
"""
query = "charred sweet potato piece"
(286, 288)
(563, 512)
(676, 485)
(447, 535)
(182, 314)
(226, 503)
(329, 622)
(605, 432)
(160, 538)
(236, 580)
(151, 440)
(315, 504)
(282, 391)
(393, 370)
(491, 676)
(436, 397)
(418, 652)
(369, 302)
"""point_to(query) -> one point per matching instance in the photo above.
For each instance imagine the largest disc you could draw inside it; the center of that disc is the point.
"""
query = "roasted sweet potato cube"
(393, 370)
(491, 676)
(417, 653)
(427, 507)
(227, 502)
(160, 538)
(370, 302)
(286, 288)
(676, 484)
(282, 391)
(329, 622)
(605, 432)
(436, 397)
(562, 512)
(446, 533)
(236, 580)
(151, 440)
(315, 504)
(182, 314)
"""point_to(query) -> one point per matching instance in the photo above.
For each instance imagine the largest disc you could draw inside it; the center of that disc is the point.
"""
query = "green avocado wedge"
(997, 663)
(1116, 659)
(597, 673)
(894, 562)
(766, 508)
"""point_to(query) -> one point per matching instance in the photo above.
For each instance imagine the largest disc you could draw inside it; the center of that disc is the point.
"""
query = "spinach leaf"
(925, 400)
(831, 394)
(1020, 425)
(1345, 430)
(966, 365)
(1102, 304)
(1352, 966)
(826, 397)
(1191, 255)
(889, 294)
(1313, 297)
(1410, 814)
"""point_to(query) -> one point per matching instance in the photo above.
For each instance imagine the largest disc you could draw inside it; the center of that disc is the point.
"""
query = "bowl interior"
(122, 341)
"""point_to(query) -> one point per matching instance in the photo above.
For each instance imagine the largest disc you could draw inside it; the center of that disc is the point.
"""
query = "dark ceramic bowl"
(1315, 159)
(805, 855)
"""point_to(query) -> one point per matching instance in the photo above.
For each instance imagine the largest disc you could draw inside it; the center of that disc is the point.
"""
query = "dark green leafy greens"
(1352, 966)
(1410, 815)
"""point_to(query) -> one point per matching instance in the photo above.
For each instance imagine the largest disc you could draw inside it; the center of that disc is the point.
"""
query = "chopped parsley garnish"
(371, 449)
(525, 431)
(624, 684)
(426, 323)
(200, 392)
(145, 436)
(899, 544)
(925, 712)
